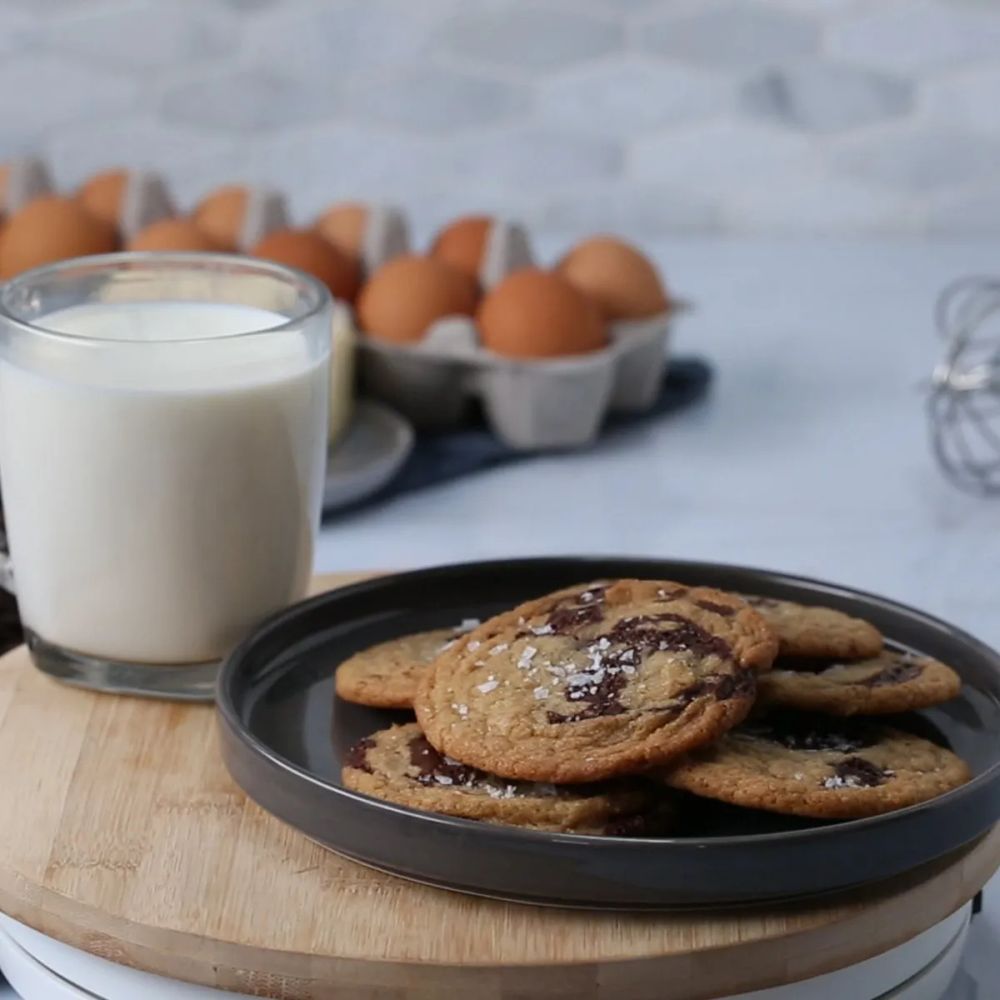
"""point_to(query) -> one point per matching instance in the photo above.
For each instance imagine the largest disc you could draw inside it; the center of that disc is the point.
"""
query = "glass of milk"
(163, 423)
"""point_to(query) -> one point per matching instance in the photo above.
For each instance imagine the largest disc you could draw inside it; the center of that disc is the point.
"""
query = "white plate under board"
(371, 451)
(40, 968)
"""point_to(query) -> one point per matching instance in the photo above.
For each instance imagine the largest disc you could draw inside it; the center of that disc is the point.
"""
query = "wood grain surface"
(123, 835)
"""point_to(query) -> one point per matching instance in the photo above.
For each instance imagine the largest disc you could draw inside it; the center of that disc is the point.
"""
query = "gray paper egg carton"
(530, 405)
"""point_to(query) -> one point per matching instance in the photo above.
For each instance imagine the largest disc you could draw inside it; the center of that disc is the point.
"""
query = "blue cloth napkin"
(440, 457)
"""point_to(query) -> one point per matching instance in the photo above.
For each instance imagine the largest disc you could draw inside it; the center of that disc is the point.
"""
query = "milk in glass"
(161, 499)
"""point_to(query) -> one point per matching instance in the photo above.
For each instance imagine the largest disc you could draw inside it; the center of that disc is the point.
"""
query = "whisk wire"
(965, 428)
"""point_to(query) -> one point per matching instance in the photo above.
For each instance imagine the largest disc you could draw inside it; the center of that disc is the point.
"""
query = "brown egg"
(407, 294)
(621, 280)
(52, 228)
(172, 234)
(344, 225)
(102, 195)
(309, 252)
(538, 314)
(461, 243)
(221, 213)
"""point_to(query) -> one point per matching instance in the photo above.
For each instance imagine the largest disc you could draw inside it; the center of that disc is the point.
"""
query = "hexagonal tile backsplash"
(645, 116)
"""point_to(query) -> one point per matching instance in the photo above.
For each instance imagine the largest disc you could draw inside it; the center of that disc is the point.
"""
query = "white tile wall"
(646, 116)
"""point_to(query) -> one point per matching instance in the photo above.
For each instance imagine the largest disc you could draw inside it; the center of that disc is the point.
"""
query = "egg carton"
(145, 200)
(26, 178)
(387, 235)
(530, 405)
(266, 210)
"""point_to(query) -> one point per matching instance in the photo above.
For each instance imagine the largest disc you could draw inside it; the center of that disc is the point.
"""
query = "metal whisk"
(964, 403)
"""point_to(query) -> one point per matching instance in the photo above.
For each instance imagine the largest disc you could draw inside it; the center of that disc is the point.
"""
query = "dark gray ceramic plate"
(283, 736)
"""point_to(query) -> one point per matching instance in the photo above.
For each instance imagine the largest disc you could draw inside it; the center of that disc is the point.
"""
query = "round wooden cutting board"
(122, 834)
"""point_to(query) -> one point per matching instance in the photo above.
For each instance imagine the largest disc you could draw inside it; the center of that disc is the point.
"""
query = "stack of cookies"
(585, 710)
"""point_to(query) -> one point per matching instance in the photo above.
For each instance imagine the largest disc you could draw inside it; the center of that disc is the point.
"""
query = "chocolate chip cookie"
(881, 685)
(821, 767)
(588, 684)
(385, 676)
(814, 631)
(399, 765)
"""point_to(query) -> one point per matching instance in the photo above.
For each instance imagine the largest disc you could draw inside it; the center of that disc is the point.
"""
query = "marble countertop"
(811, 454)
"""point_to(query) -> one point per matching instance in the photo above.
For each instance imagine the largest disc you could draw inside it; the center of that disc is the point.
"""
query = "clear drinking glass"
(162, 451)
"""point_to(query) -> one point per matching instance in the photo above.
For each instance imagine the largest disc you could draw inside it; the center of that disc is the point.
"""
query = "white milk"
(161, 498)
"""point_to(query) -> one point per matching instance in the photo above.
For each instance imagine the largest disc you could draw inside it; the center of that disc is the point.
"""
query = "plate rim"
(228, 714)
(366, 407)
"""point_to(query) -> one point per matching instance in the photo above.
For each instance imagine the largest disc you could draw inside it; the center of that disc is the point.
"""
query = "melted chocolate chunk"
(357, 755)
(856, 772)
(726, 610)
(565, 620)
(575, 612)
(897, 673)
(803, 732)
(642, 633)
(692, 637)
(435, 769)
(600, 698)
(624, 646)
(742, 684)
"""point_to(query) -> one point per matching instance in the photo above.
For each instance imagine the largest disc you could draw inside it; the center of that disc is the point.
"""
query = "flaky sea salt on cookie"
(399, 765)
(815, 766)
(596, 682)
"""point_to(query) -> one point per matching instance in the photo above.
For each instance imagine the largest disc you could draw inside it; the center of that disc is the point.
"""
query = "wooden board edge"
(716, 971)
